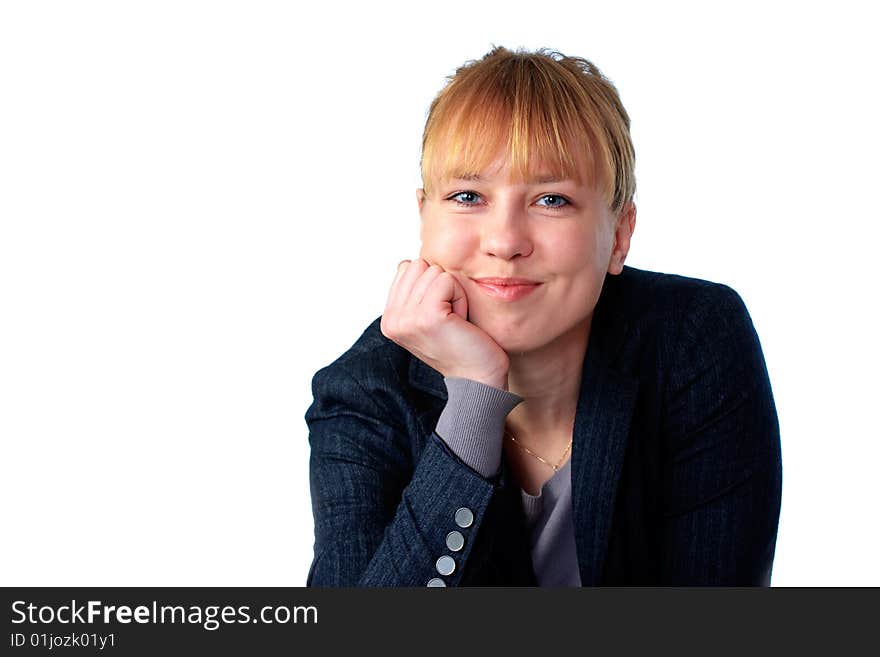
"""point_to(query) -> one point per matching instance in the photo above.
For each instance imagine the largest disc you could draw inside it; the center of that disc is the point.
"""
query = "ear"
(420, 197)
(625, 226)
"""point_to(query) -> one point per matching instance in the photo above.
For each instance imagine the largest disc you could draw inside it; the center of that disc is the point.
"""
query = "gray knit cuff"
(472, 422)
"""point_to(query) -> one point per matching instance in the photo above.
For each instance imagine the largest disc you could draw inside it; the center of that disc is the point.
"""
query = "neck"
(549, 380)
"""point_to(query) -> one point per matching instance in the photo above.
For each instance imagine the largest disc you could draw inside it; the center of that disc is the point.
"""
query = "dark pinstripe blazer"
(676, 463)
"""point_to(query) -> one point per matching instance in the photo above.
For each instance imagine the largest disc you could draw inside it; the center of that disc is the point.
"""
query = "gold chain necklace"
(542, 460)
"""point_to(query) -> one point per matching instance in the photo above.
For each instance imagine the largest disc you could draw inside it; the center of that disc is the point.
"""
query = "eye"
(556, 201)
(466, 194)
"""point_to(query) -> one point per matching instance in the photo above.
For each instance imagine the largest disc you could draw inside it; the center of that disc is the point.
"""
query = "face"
(559, 234)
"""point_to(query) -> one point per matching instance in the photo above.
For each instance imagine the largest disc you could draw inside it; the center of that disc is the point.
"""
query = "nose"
(506, 231)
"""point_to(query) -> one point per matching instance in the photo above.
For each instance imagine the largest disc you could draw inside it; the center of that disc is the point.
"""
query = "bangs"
(516, 108)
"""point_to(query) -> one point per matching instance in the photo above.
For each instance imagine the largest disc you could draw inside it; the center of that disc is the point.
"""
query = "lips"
(506, 281)
(507, 289)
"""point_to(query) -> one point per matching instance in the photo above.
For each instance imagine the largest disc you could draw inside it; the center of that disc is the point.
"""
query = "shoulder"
(642, 294)
(643, 312)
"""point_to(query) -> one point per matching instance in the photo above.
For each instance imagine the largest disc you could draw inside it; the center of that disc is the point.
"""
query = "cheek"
(569, 252)
(447, 246)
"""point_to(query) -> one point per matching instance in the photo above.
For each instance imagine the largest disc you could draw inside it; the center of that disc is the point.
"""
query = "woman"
(528, 410)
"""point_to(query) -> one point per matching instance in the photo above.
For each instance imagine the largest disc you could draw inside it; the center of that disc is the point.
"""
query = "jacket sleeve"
(381, 520)
(722, 463)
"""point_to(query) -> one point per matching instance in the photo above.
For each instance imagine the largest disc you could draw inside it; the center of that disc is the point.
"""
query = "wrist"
(495, 379)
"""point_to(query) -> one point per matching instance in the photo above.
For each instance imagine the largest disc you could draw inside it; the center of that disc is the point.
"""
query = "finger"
(423, 283)
(395, 297)
(446, 295)
(401, 268)
(405, 285)
(459, 299)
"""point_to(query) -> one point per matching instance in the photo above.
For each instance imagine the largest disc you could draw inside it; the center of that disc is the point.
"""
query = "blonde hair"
(541, 106)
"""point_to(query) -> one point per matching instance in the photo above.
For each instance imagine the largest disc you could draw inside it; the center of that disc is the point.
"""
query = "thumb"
(459, 300)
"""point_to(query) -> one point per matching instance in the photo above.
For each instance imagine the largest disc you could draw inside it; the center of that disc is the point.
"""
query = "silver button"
(445, 565)
(454, 541)
(436, 582)
(464, 517)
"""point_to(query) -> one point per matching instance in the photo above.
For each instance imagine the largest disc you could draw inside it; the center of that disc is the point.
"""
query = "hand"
(426, 314)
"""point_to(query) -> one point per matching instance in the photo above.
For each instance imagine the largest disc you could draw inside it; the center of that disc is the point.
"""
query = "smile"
(507, 292)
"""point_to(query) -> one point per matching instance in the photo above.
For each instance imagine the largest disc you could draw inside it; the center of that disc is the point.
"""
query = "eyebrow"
(541, 179)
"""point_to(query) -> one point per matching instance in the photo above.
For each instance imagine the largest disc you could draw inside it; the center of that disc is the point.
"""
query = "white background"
(202, 203)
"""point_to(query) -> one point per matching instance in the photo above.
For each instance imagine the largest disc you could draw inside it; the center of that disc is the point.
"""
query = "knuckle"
(445, 278)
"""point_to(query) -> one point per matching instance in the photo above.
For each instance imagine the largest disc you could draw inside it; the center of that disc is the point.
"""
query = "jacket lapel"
(601, 426)
(605, 407)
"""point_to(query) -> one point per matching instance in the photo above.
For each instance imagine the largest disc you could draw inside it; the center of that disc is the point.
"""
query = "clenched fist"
(426, 314)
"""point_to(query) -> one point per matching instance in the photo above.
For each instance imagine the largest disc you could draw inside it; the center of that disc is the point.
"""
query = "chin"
(514, 339)
(523, 336)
